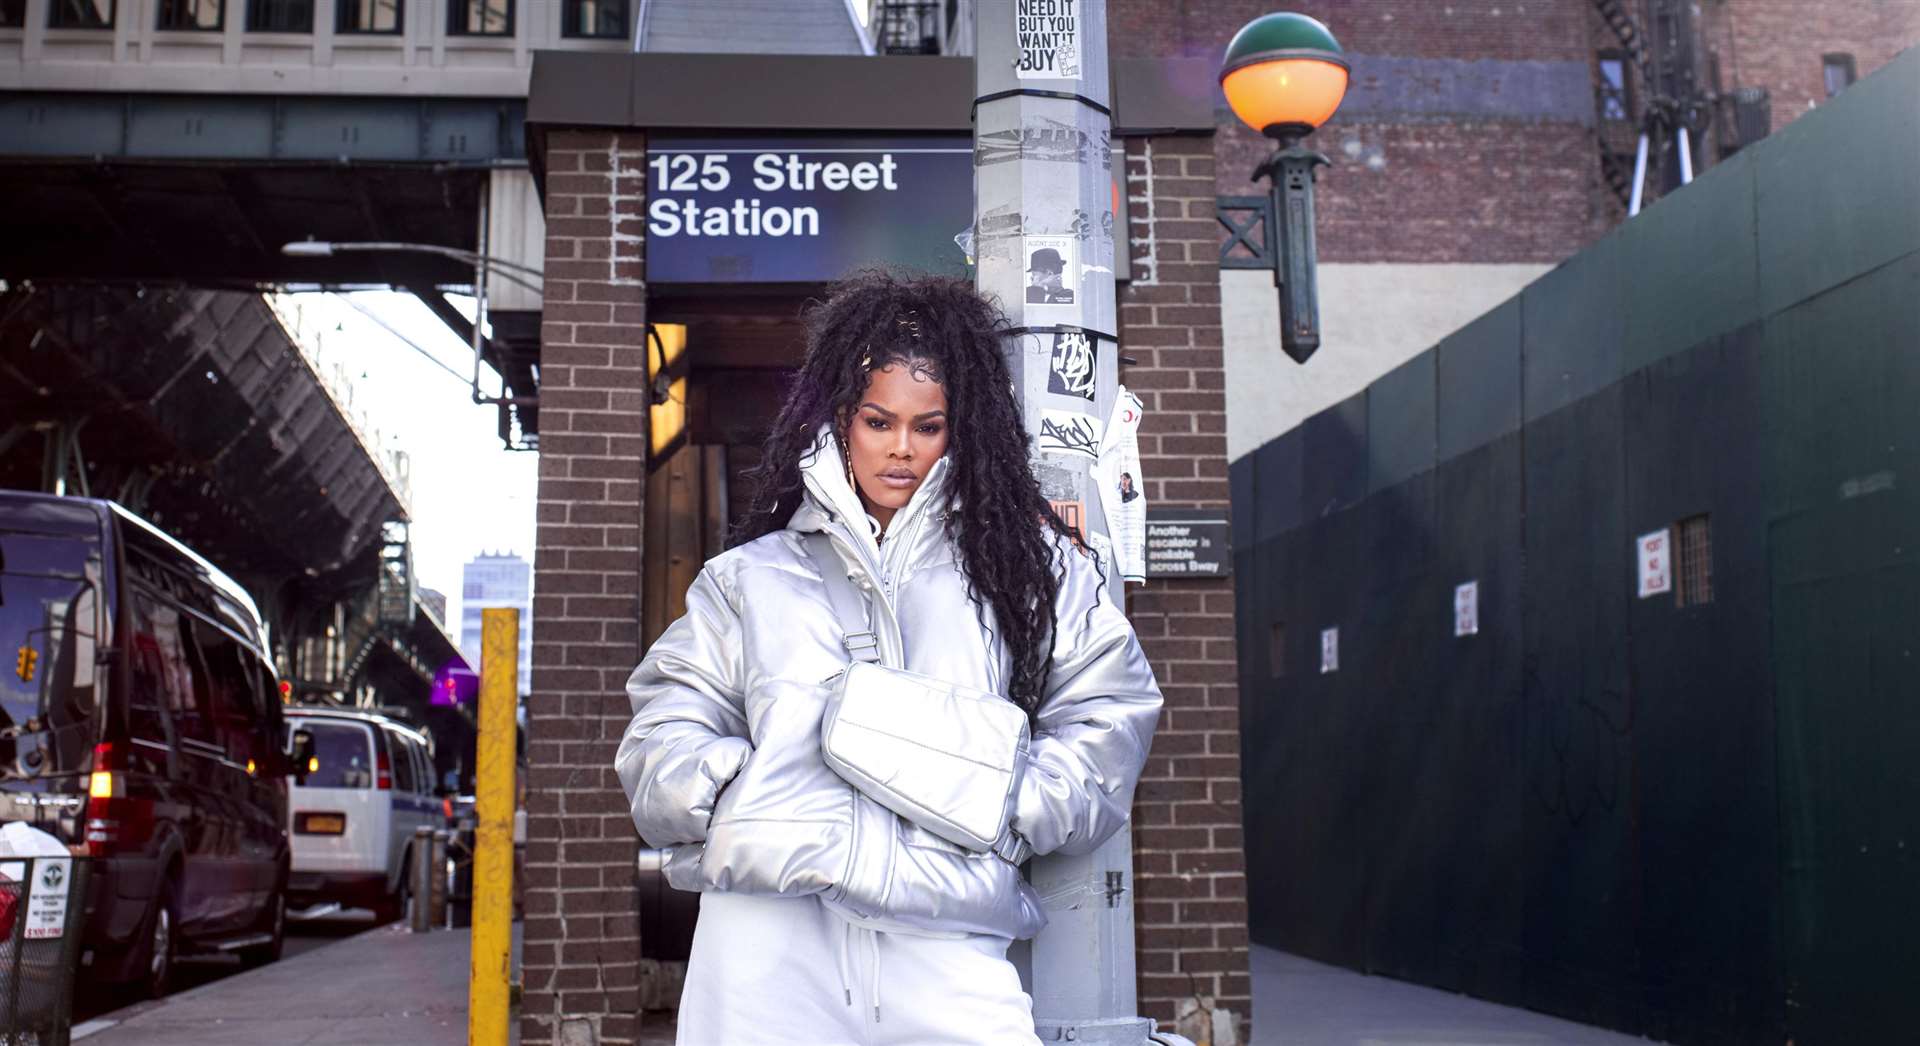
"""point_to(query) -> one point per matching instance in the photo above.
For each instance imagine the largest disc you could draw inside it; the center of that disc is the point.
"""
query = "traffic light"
(25, 665)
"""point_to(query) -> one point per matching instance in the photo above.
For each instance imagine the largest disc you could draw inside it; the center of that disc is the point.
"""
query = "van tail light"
(115, 823)
(9, 909)
(108, 780)
(384, 781)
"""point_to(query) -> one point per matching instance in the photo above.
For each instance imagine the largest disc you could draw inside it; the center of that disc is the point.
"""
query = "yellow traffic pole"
(492, 970)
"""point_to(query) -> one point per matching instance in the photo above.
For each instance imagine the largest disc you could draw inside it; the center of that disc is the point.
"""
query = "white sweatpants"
(787, 970)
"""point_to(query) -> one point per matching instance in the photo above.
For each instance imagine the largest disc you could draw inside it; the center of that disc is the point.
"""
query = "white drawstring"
(873, 965)
(873, 950)
(846, 964)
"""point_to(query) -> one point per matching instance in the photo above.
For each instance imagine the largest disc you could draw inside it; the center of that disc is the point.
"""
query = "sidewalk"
(1298, 1002)
(385, 987)
(388, 987)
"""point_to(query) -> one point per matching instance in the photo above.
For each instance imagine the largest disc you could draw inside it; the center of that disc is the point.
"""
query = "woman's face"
(897, 432)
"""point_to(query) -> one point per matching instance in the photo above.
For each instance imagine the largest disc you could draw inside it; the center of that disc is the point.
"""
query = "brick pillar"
(582, 944)
(1189, 868)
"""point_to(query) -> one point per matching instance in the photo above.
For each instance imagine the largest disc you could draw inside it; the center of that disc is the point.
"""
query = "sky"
(470, 495)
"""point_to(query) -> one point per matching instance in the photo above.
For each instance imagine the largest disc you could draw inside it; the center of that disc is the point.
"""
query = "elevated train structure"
(198, 411)
(157, 156)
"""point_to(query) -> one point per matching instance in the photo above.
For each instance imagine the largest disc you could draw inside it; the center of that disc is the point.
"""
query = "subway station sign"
(805, 209)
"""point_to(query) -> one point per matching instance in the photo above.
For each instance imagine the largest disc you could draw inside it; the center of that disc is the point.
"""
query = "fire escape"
(1661, 68)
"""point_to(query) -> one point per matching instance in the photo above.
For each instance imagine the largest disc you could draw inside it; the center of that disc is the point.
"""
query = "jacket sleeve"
(688, 737)
(1094, 725)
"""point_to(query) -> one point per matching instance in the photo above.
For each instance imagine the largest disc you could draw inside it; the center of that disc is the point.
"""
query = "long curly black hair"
(999, 519)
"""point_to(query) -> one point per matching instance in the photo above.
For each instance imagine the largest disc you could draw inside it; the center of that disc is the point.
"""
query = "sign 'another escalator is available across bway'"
(805, 209)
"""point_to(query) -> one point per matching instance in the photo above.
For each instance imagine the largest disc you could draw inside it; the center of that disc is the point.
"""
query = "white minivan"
(369, 785)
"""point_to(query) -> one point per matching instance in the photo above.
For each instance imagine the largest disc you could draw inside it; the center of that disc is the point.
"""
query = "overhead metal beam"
(455, 131)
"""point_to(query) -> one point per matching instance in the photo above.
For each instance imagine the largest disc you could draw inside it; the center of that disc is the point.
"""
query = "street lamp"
(1284, 74)
(483, 265)
(506, 269)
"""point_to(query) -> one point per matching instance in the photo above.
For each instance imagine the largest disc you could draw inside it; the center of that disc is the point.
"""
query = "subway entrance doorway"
(719, 360)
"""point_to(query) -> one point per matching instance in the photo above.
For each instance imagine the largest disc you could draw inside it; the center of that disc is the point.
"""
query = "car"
(140, 724)
(369, 785)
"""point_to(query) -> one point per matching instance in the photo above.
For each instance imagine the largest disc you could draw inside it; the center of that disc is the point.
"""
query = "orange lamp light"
(1284, 74)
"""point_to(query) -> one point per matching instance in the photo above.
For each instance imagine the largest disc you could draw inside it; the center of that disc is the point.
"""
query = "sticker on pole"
(1656, 563)
(1069, 433)
(1053, 269)
(1070, 369)
(47, 898)
(1047, 34)
(1122, 495)
(1074, 514)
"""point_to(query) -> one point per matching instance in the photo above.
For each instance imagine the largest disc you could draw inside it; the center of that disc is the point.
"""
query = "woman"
(901, 441)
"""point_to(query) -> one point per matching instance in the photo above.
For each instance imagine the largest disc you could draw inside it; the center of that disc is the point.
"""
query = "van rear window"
(344, 752)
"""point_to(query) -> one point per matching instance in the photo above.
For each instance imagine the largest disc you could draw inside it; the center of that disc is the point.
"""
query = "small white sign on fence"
(47, 898)
(1466, 609)
(1656, 563)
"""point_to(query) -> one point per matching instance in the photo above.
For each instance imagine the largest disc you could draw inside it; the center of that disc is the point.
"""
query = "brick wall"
(1190, 904)
(1458, 185)
(1499, 29)
(1449, 180)
(1432, 192)
(582, 944)
(1779, 44)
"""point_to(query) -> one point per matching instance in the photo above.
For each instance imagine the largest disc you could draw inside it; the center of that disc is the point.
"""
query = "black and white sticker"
(1070, 371)
(1048, 35)
(1052, 269)
(1069, 433)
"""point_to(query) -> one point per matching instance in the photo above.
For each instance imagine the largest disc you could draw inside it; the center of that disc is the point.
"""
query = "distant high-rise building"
(496, 579)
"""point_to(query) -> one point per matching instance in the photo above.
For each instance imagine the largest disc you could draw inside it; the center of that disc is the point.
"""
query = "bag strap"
(862, 644)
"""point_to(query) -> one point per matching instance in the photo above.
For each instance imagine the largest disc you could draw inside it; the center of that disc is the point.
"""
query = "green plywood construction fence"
(1698, 823)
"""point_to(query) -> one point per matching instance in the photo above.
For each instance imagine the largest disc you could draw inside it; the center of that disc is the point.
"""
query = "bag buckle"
(1012, 847)
(863, 646)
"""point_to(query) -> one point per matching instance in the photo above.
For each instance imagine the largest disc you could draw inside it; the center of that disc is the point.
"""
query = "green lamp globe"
(1284, 73)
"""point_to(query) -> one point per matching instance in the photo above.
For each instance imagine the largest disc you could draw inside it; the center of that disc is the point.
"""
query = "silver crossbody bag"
(947, 758)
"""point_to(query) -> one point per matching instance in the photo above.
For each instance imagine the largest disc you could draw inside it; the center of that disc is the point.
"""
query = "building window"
(1616, 92)
(191, 15)
(80, 14)
(594, 18)
(1277, 649)
(480, 18)
(13, 14)
(1839, 72)
(280, 16)
(1695, 547)
(369, 16)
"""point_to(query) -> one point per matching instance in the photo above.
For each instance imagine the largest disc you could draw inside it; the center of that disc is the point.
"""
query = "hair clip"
(866, 358)
(910, 322)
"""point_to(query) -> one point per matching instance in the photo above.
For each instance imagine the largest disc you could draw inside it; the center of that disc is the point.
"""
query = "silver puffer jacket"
(722, 760)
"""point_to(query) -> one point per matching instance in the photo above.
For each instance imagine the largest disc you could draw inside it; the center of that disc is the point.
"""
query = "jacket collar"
(831, 499)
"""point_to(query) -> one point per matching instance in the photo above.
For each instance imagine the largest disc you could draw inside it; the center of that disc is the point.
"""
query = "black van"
(140, 724)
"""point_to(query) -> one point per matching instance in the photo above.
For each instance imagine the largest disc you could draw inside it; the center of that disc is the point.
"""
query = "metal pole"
(480, 290)
(419, 918)
(1686, 157)
(492, 959)
(437, 906)
(1045, 193)
(1291, 239)
(1639, 175)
